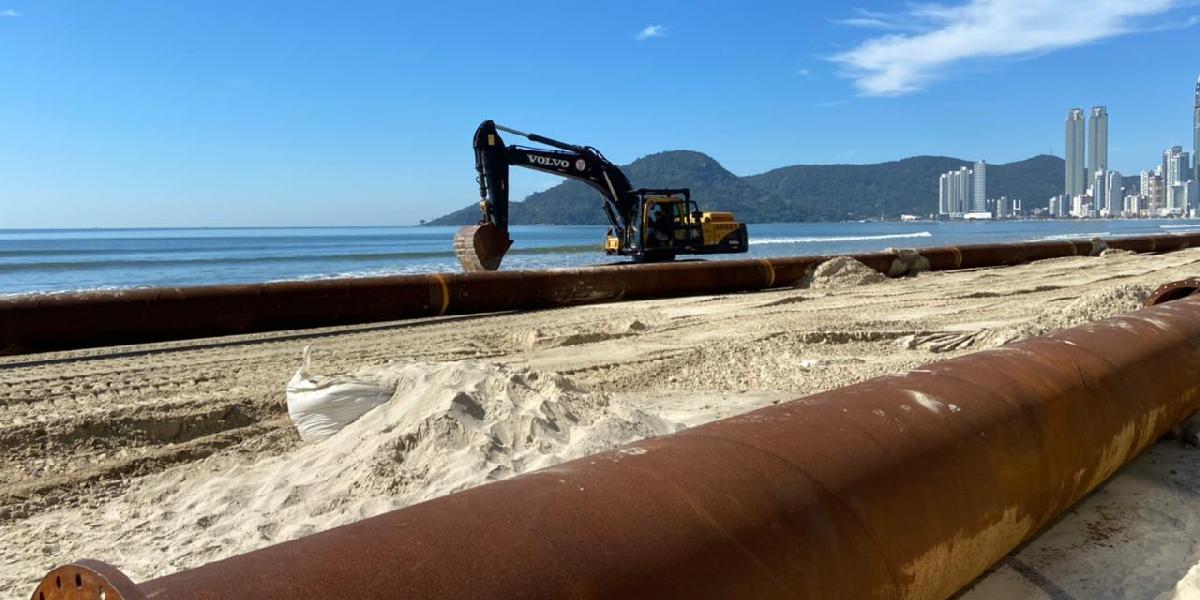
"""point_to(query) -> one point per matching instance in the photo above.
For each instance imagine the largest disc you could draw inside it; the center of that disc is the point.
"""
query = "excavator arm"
(482, 246)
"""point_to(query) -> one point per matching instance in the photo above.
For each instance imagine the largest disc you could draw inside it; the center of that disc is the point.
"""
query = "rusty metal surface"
(906, 486)
(66, 321)
(84, 580)
(1173, 291)
(480, 247)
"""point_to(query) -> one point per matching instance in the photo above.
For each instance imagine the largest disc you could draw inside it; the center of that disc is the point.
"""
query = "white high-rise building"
(1134, 204)
(944, 194)
(1113, 193)
(1156, 198)
(979, 203)
(1098, 140)
(1055, 207)
(1099, 191)
(1176, 166)
(1001, 208)
(955, 189)
(1182, 197)
(962, 190)
(1075, 182)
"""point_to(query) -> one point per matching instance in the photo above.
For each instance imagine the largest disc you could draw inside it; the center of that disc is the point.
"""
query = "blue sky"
(179, 113)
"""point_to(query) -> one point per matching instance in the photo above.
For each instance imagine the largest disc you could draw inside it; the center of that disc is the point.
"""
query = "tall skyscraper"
(1176, 173)
(1075, 180)
(963, 189)
(944, 194)
(979, 202)
(1098, 140)
(1113, 193)
(1196, 135)
(1175, 166)
(1099, 191)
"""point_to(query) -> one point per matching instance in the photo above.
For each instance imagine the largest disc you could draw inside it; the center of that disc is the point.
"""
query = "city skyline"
(1097, 190)
(1171, 189)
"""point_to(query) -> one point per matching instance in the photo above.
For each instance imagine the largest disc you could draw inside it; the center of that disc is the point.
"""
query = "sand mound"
(448, 427)
(1094, 306)
(844, 271)
(611, 330)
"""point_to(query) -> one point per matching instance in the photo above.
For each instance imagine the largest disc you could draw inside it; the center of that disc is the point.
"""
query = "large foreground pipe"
(65, 321)
(906, 486)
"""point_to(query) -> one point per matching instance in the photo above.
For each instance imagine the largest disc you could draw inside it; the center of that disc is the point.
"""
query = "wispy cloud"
(870, 19)
(943, 36)
(9, 13)
(650, 31)
(830, 103)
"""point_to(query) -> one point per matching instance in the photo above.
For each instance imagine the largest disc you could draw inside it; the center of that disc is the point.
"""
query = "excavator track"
(480, 247)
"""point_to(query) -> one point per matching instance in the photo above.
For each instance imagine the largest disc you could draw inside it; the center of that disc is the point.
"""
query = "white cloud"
(9, 13)
(651, 31)
(870, 19)
(831, 103)
(894, 64)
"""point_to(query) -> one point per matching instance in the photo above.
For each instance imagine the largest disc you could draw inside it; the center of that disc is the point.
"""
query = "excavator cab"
(669, 223)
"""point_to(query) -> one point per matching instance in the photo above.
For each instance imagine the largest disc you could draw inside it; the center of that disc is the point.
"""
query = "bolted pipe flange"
(87, 580)
(1173, 291)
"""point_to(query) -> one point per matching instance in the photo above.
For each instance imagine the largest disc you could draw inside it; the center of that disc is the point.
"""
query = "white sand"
(844, 271)
(183, 452)
(448, 427)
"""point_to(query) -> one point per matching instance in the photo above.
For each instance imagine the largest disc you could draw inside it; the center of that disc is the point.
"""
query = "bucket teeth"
(480, 247)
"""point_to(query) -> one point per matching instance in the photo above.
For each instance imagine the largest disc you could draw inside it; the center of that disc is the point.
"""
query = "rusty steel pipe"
(907, 486)
(40, 323)
(1173, 291)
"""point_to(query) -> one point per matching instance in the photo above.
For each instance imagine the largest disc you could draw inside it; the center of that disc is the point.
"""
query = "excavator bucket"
(481, 247)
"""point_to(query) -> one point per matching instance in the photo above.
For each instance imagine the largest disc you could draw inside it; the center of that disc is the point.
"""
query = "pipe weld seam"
(445, 289)
(770, 272)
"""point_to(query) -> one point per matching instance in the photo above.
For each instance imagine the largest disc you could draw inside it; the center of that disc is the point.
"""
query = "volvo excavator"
(648, 225)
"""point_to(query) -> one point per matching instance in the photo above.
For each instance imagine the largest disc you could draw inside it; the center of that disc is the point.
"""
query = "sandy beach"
(162, 457)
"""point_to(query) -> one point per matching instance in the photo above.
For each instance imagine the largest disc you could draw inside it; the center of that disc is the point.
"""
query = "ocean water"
(54, 260)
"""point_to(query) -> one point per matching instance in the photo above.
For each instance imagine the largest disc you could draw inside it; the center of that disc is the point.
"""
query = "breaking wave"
(1076, 236)
(855, 238)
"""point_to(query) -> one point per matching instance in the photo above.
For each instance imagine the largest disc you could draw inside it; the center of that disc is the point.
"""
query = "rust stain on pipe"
(907, 486)
(80, 320)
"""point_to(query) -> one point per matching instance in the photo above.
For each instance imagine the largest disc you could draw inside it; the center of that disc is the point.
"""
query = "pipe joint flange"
(87, 580)
(1173, 291)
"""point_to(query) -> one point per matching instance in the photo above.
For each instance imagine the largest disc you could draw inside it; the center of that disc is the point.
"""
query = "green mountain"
(575, 203)
(787, 194)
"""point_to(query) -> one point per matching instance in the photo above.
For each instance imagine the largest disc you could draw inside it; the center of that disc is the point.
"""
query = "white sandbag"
(321, 406)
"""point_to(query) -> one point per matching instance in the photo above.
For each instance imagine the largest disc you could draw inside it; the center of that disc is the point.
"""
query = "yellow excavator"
(648, 225)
